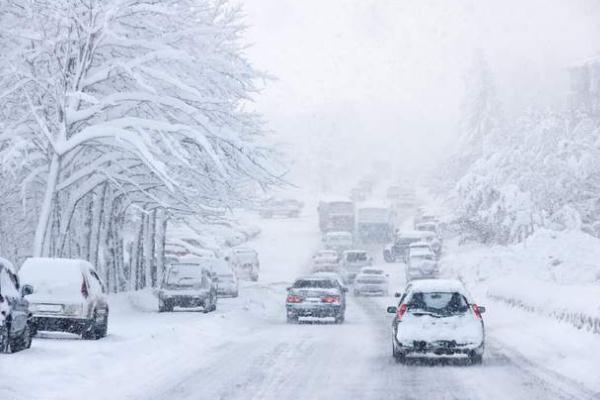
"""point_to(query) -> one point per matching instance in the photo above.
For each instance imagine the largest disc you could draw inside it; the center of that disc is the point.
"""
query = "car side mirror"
(392, 310)
(481, 309)
(26, 290)
(397, 294)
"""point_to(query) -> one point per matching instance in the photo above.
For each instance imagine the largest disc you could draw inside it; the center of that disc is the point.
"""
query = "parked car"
(187, 285)
(68, 296)
(338, 241)
(15, 319)
(227, 281)
(280, 207)
(371, 281)
(353, 261)
(398, 250)
(318, 297)
(244, 262)
(437, 317)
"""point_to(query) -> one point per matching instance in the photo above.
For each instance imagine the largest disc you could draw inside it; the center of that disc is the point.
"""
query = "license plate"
(49, 307)
(313, 300)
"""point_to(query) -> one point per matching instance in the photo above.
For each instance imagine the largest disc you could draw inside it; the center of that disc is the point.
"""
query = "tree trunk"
(47, 206)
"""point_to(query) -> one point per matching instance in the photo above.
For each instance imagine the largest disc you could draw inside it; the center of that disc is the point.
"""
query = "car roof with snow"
(437, 285)
(8, 265)
(355, 251)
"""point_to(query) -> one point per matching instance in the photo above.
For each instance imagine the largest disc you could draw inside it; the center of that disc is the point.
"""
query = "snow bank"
(555, 274)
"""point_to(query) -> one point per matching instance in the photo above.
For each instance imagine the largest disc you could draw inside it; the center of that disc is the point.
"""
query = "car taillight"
(476, 311)
(331, 299)
(401, 311)
(294, 299)
(84, 289)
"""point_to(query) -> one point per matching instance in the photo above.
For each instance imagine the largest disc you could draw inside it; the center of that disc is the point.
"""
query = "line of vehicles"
(433, 317)
(67, 295)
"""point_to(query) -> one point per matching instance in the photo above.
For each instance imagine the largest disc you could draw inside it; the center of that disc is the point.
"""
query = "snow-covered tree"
(114, 104)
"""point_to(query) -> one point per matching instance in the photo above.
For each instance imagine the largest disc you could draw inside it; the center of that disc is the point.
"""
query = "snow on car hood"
(463, 329)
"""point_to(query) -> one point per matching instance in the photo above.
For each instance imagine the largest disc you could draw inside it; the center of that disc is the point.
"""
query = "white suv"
(436, 317)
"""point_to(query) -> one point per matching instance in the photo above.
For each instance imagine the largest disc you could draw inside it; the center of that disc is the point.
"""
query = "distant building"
(584, 78)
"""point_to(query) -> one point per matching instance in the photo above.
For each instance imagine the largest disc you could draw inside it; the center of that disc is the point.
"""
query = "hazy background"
(360, 81)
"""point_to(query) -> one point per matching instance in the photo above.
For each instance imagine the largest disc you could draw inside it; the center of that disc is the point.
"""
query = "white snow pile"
(552, 273)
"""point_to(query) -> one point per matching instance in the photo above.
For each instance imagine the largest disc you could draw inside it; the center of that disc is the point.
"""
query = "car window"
(7, 284)
(444, 303)
(314, 284)
(354, 257)
(96, 282)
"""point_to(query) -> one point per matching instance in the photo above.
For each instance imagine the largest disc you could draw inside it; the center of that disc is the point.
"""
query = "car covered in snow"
(338, 241)
(437, 317)
(317, 297)
(398, 249)
(244, 262)
(15, 319)
(227, 280)
(421, 263)
(68, 296)
(353, 261)
(325, 266)
(330, 256)
(371, 281)
(187, 285)
(275, 207)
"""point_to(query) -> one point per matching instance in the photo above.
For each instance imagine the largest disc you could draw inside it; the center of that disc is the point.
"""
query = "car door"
(19, 307)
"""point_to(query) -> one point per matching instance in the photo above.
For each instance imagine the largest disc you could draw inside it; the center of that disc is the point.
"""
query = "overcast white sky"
(384, 78)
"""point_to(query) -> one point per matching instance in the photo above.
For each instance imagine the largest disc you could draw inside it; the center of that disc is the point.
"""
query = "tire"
(92, 328)
(102, 329)
(475, 359)
(292, 319)
(254, 278)
(21, 342)
(236, 294)
(5, 338)
(399, 356)
(388, 257)
(212, 304)
(339, 319)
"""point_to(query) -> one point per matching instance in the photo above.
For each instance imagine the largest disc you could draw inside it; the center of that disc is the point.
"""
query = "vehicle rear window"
(444, 303)
(353, 257)
(314, 283)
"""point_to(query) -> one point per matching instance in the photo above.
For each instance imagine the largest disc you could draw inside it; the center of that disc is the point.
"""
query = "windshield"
(443, 303)
(185, 275)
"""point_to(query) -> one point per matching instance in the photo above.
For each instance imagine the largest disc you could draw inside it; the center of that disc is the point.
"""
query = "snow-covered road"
(245, 350)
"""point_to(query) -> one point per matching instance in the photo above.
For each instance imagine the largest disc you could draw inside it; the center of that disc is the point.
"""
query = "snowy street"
(247, 351)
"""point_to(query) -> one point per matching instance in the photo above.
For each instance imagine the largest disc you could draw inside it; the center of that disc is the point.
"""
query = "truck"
(375, 223)
(336, 215)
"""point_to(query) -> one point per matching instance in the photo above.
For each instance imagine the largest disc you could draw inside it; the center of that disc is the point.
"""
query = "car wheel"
(254, 278)
(90, 330)
(475, 358)
(4, 338)
(387, 256)
(292, 319)
(21, 342)
(399, 356)
(102, 329)
(340, 319)
(236, 294)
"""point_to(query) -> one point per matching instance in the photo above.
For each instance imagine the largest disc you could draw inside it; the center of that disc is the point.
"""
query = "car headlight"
(73, 309)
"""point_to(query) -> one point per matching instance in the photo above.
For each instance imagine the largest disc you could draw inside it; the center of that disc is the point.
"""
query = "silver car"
(187, 285)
